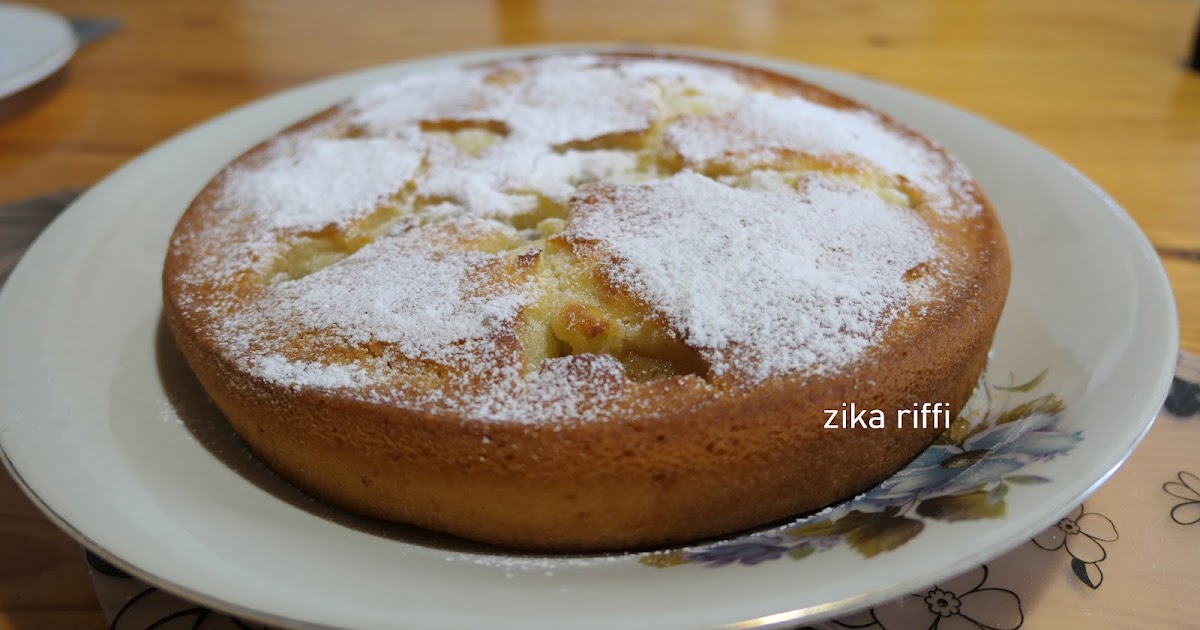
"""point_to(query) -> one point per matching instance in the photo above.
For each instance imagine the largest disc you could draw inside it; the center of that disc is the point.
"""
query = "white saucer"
(34, 43)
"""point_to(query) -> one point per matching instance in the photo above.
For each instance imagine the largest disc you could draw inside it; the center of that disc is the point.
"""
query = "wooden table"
(1101, 83)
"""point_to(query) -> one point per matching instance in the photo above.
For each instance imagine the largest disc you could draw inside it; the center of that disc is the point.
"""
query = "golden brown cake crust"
(679, 457)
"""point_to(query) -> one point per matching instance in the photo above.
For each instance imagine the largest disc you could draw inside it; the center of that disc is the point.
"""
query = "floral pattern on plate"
(965, 475)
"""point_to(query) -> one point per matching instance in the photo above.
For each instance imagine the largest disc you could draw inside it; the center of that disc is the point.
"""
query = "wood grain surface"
(1101, 83)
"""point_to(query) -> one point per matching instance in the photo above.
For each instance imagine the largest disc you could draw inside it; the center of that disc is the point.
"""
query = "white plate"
(102, 425)
(33, 44)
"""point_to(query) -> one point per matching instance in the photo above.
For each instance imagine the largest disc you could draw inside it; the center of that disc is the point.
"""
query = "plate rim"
(1137, 242)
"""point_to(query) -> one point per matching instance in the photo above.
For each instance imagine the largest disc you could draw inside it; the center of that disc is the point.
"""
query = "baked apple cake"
(586, 301)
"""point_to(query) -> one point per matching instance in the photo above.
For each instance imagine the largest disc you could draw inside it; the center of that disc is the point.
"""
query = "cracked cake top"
(535, 240)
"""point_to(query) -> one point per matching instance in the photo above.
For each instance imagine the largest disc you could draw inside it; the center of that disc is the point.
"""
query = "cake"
(587, 301)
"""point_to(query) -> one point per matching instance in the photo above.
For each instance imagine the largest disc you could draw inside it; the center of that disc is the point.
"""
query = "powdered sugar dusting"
(300, 373)
(563, 387)
(316, 181)
(403, 292)
(559, 102)
(765, 283)
(507, 179)
(764, 272)
(763, 124)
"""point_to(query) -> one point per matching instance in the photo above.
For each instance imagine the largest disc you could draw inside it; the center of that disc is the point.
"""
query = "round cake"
(588, 301)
